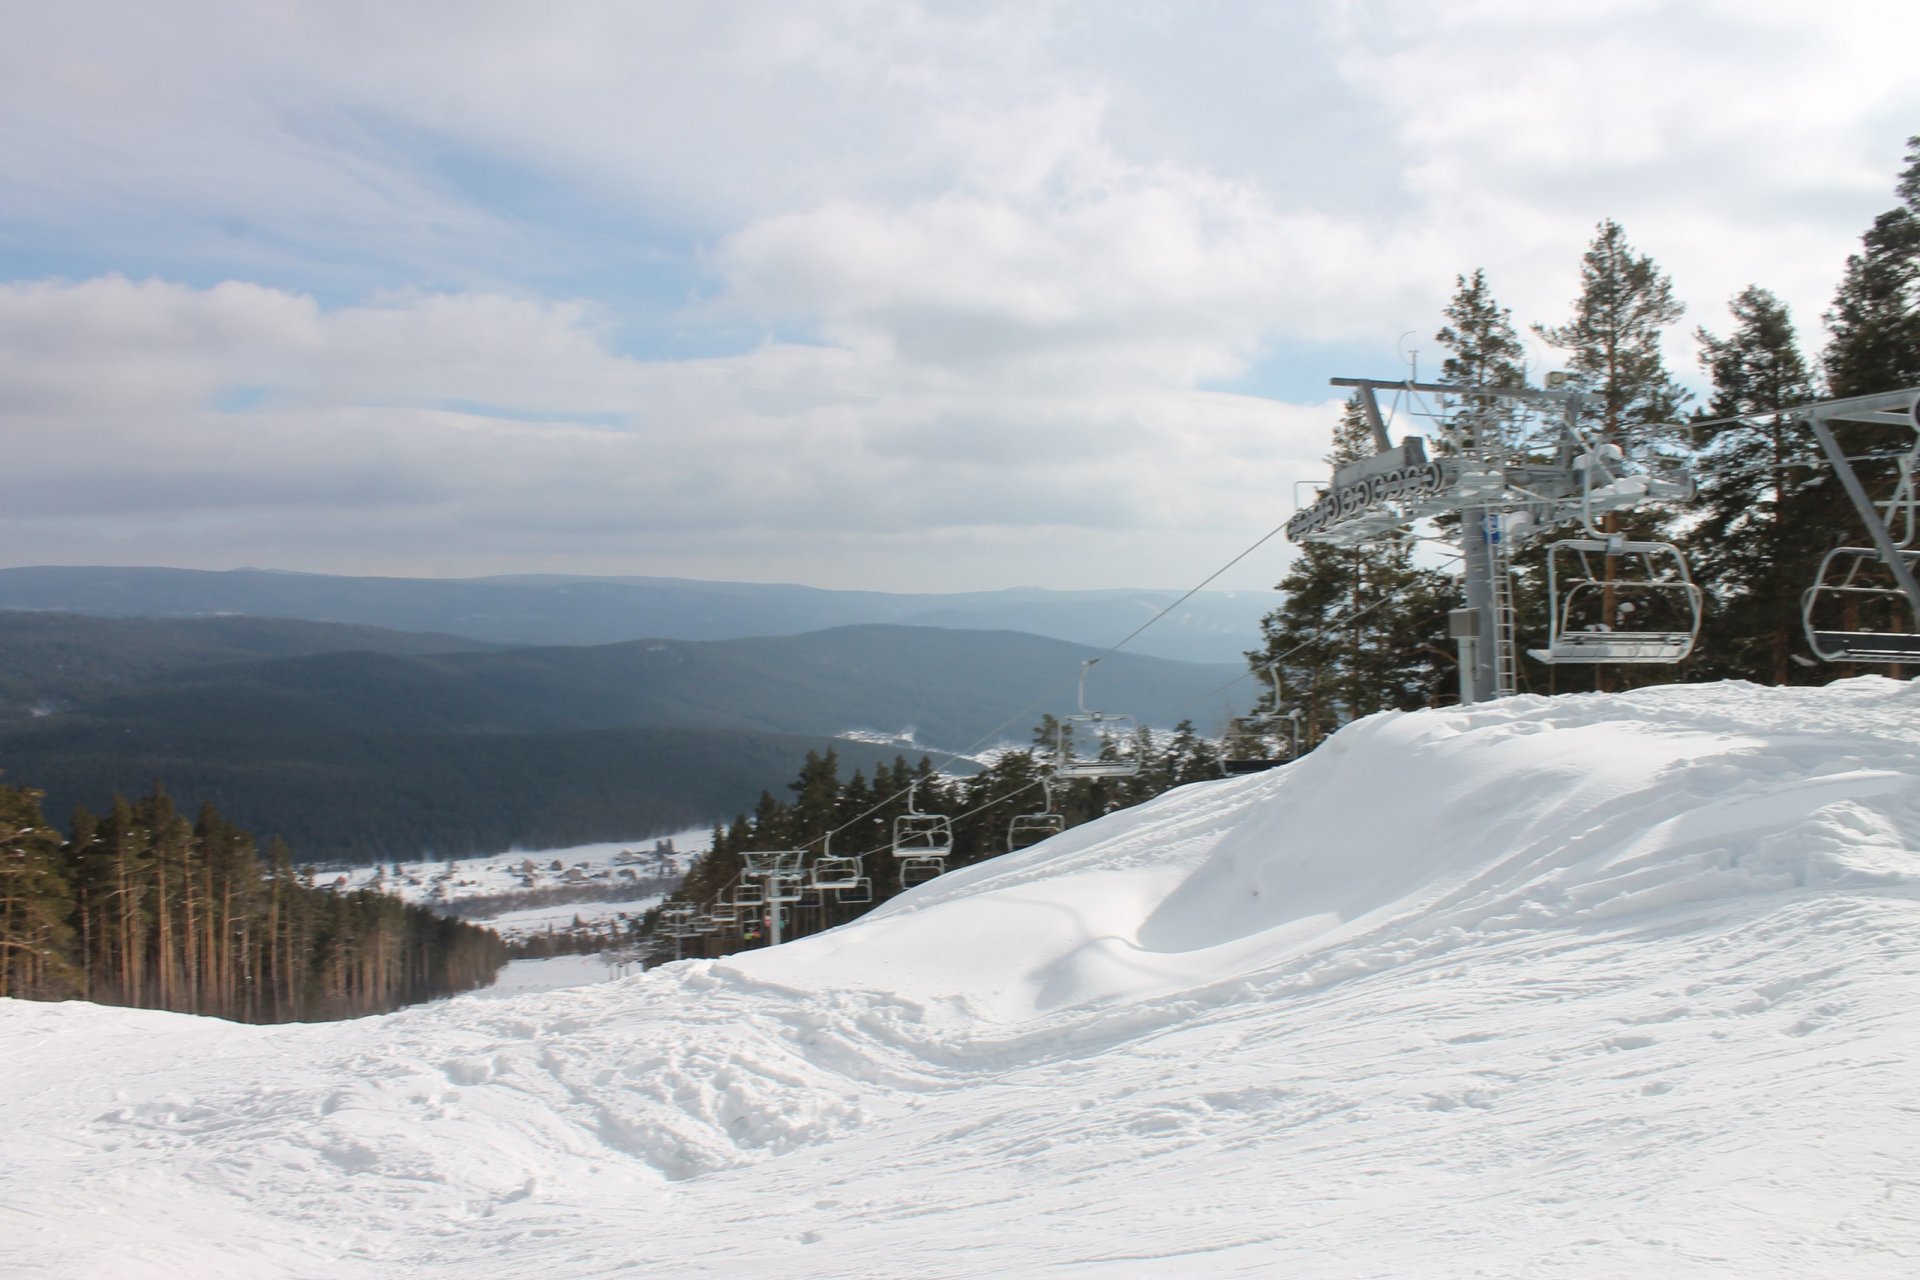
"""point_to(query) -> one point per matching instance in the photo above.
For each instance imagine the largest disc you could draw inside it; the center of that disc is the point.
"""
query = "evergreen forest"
(142, 907)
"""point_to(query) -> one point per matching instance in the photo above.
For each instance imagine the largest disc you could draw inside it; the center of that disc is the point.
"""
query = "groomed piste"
(1587, 986)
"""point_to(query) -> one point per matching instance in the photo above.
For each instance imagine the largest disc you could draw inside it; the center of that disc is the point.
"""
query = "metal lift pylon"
(1500, 488)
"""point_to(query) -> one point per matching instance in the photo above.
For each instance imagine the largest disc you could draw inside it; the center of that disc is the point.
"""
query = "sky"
(885, 295)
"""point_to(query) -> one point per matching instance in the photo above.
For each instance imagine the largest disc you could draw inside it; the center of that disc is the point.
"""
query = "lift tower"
(1511, 464)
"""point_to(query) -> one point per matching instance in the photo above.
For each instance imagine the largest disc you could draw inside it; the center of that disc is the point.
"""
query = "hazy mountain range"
(352, 741)
(1212, 626)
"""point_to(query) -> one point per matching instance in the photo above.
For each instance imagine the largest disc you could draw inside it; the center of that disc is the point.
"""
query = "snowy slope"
(1569, 987)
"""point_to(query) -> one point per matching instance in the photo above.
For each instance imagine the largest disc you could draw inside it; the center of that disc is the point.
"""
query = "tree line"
(855, 816)
(142, 907)
(1364, 629)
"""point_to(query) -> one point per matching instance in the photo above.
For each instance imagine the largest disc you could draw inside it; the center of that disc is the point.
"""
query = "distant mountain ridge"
(540, 609)
(387, 749)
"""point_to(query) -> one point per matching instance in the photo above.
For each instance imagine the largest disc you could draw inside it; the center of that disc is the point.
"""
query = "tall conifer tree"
(1613, 341)
(1753, 547)
(1875, 320)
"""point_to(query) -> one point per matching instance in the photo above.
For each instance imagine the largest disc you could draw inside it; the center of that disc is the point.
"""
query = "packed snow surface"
(1584, 986)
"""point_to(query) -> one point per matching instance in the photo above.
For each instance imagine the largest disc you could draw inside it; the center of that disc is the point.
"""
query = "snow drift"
(1550, 987)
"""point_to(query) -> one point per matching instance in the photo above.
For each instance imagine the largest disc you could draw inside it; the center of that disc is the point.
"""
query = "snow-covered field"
(1592, 986)
(559, 886)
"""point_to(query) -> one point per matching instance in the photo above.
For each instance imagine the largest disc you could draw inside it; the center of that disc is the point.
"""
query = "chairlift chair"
(1257, 732)
(1117, 755)
(1263, 730)
(785, 888)
(859, 893)
(749, 895)
(834, 873)
(761, 864)
(1861, 584)
(919, 870)
(921, 835)
(1649, 576)
(724, 914)
(1029, 829)
(1854, 583)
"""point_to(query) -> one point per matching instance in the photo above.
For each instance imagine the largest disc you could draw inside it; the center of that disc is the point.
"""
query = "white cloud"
(350, 454)
(999, 252)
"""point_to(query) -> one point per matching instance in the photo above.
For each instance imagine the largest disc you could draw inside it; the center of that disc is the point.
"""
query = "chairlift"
(1649, 585)
(1861, 587)
(921, 835)
(834, 873)
(724, 914)
(915, 870)
(785, 888)
(764, 863)
(1029, 829)
(859, 893)
(1116, 756)
(1261, 733)
(677, 921)
(1855, 587)
(831, 870)
(748, 895)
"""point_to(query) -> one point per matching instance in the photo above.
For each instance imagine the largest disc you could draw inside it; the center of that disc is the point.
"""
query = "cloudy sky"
(908, 296)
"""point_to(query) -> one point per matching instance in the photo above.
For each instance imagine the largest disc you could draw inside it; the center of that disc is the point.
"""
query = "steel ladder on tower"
(1501, 571)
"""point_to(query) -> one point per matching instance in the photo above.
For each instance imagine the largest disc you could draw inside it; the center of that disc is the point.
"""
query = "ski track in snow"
(1547, 987)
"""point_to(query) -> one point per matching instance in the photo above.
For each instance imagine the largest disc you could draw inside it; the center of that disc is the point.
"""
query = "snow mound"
(1410, 834)
(1552, 987)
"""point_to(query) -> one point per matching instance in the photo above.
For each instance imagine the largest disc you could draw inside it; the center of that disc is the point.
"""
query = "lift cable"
(992, 734)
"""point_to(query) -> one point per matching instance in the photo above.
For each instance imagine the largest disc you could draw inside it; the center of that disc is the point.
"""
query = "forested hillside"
(367, 755)
(139, 906)
(53, 662)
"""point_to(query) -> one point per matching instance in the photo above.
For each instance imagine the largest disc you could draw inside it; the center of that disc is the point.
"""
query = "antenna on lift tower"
(1514, 463)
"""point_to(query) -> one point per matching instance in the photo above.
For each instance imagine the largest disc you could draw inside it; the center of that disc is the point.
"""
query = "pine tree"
(36, 940)
(1875, 321)
(1756, 546)
(1626, 303)
(1483, 350)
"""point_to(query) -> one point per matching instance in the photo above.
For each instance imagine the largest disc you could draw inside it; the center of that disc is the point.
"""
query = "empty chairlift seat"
(1615, 600)
(1029, 829)
(1856, 611)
